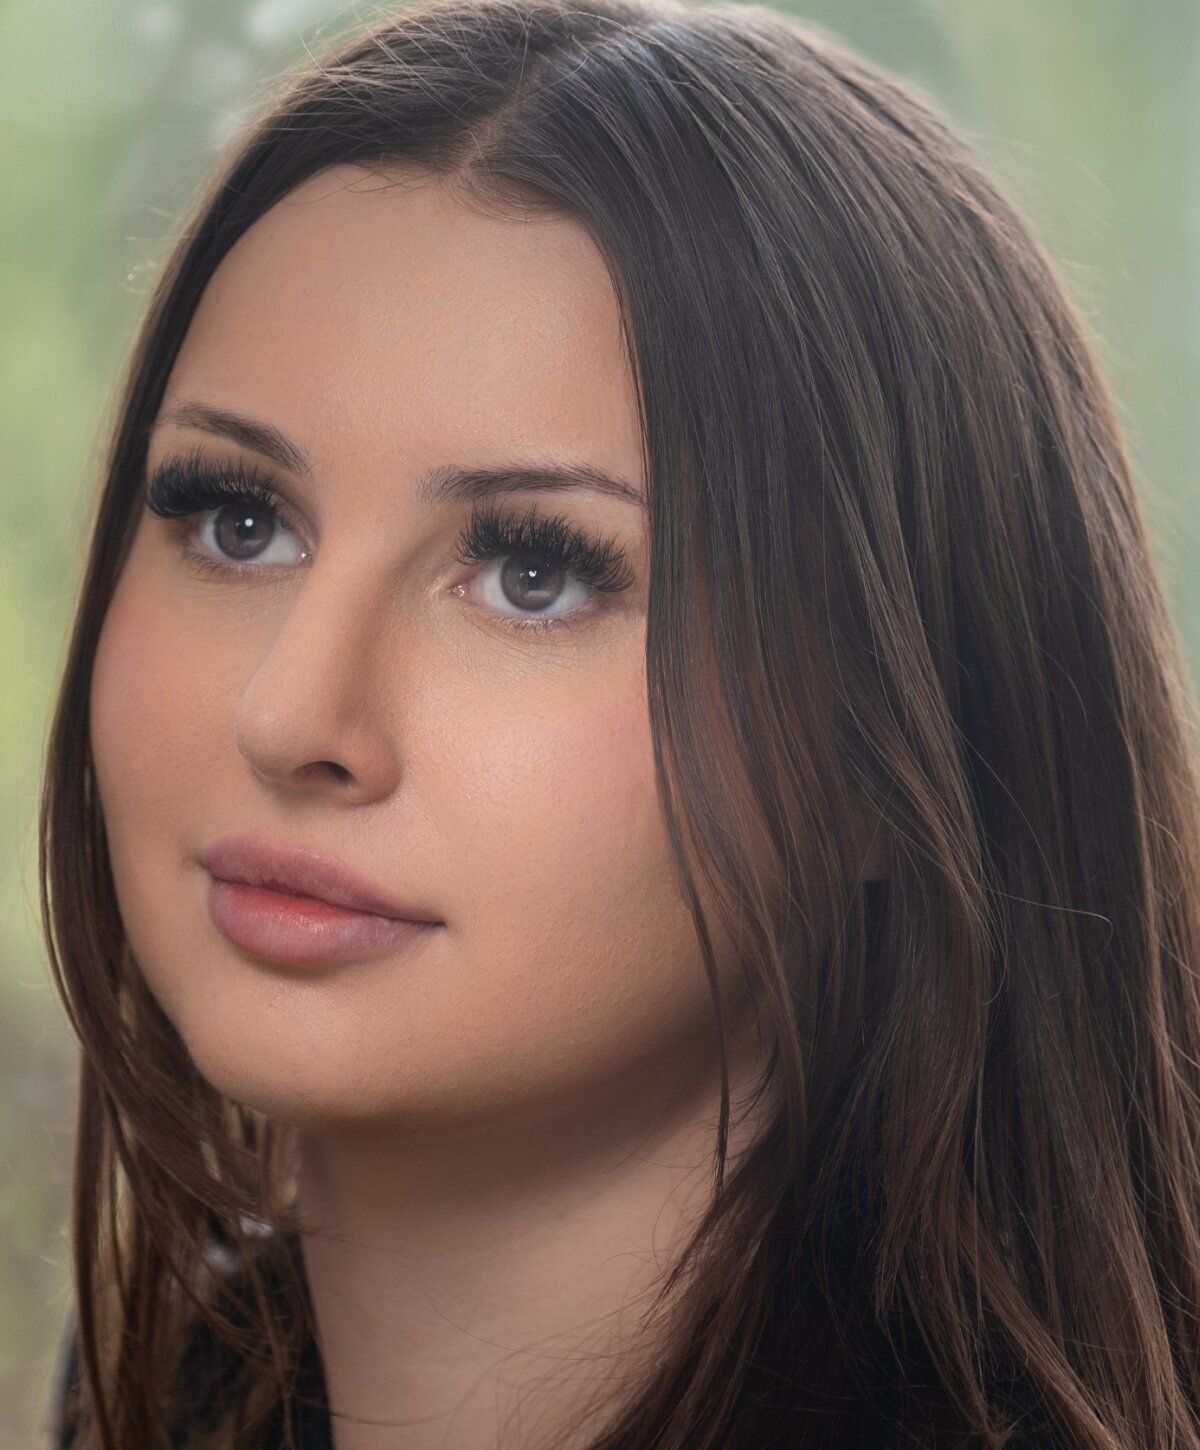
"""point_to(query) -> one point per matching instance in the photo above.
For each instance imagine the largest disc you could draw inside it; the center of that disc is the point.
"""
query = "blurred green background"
(110, 111)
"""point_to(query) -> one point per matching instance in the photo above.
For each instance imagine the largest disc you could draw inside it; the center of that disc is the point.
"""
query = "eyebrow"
(445, 484)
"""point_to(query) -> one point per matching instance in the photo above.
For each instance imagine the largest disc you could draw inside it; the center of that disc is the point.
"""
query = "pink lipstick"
(303, 907)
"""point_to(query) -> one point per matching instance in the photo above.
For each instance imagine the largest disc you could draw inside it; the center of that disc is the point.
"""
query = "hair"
(898, 566)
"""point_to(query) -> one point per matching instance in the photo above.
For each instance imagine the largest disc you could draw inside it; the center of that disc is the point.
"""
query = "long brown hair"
(898, 567)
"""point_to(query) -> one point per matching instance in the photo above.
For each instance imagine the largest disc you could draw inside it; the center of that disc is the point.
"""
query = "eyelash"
(186, 485)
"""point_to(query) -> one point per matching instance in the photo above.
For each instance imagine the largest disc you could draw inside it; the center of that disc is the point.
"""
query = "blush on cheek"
(126, 707)
(570, 787)
(597, 831)
(613, 753)
(137, 710)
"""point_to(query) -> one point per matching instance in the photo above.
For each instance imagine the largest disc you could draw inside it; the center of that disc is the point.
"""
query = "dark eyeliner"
(184, 485)
(189, 483)
(490, 533)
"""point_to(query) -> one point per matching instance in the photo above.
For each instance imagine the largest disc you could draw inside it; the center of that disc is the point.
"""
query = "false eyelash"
(598, 563)
(187, 484)
(190, 483)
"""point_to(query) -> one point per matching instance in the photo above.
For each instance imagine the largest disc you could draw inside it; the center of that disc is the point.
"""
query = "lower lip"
(302, 931)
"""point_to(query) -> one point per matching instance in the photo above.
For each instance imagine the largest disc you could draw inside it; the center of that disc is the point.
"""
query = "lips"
(303, 907)
(302, 871)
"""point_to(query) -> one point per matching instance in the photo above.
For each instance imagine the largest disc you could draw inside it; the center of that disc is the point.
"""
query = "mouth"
(304, 931)
(301, 906)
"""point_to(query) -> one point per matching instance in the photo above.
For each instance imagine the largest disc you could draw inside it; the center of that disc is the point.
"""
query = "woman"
(621, 833)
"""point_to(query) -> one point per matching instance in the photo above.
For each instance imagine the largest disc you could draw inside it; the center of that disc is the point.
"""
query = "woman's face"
(355, 688)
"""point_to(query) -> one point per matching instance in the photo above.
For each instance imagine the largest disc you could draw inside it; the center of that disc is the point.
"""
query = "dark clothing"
(310, 1424)
(208, 1369)
(205, 1364)
(312, 1429)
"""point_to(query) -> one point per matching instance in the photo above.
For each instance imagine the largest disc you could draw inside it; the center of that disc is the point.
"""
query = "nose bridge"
(316, 693)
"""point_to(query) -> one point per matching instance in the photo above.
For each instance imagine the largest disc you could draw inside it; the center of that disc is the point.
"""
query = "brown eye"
(531, 583)
(234, 514)
(242, 532)
(541, 561)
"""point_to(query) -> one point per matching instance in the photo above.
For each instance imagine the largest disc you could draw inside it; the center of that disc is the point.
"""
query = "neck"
(479, 1285)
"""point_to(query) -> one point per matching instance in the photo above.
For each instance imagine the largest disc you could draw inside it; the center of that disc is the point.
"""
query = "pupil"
(235, 534)
(532, 581)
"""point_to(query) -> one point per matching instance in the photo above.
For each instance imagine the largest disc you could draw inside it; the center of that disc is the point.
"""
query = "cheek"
(559, 809)
(165, 684)
(153, 723)
(579, 956)
(133, 722)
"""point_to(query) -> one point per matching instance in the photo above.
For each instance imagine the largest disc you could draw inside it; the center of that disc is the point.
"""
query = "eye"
(238, 523)
(246, 533)
(236, 512)
(542, 560)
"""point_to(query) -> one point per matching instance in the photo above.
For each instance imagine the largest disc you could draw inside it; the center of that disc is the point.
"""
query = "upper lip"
(304, 871)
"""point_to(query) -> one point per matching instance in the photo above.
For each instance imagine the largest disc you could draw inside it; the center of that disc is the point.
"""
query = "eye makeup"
(190, 485)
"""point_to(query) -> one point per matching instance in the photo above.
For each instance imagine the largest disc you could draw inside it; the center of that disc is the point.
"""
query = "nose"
(313, 716)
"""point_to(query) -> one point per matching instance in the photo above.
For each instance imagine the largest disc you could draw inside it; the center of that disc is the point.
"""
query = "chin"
(295, 1086)
(319, 1093)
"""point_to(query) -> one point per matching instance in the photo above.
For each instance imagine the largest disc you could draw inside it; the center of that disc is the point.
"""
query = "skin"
(506, 1132)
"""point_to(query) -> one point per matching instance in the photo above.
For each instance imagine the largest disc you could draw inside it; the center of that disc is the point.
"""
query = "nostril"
(317, 767)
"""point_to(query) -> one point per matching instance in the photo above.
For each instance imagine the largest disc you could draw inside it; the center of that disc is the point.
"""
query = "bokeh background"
(111, 112)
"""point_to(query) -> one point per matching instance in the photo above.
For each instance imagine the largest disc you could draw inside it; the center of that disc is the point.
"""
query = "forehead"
(378, 312)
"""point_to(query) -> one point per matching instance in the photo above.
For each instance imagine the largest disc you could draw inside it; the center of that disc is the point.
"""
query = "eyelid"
(171, 486)
(190, 486)
(598, 561)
